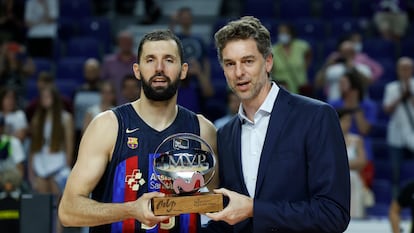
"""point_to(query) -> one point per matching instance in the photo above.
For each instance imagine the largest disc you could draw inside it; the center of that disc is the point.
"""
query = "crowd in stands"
(60, 67)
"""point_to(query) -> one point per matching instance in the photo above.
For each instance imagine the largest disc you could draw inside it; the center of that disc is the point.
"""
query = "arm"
(394, 215)
(69, 138)
(76, 208)
(363, 125)
(86, 121)
(209, 134)
(361, 160)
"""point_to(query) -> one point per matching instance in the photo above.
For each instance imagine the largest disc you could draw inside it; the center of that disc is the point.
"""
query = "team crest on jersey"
(135, 180)
(132, 142)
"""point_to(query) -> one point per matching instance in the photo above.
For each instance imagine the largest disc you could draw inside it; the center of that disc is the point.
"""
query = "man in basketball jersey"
(113, 162)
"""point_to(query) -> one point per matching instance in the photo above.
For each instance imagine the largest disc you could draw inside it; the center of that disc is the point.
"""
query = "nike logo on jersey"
(131, 130)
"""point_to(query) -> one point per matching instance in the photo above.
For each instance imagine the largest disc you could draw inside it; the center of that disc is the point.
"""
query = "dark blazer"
(303, 178)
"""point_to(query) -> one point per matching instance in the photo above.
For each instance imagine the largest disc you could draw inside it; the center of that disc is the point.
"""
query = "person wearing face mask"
(362, 58)
(292, 58)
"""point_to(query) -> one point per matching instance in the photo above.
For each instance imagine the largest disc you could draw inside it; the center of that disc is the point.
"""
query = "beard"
(160, 93)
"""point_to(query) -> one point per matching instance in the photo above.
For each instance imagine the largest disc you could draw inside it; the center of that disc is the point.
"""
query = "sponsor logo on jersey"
(135, 180)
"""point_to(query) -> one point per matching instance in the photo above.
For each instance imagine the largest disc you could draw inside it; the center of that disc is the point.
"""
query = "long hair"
(39, 120)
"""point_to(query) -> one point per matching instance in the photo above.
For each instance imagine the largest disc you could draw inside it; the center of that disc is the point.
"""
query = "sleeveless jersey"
(129, 175)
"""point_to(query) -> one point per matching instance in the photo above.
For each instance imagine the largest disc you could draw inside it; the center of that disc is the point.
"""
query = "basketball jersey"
(129, 174)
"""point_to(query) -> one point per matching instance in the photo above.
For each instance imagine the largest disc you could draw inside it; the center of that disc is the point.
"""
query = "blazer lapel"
(237, 155)
(280, 112)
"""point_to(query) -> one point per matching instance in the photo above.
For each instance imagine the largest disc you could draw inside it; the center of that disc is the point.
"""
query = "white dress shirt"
(252, 138)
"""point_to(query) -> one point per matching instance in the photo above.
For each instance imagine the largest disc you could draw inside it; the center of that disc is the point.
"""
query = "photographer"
(399, 104)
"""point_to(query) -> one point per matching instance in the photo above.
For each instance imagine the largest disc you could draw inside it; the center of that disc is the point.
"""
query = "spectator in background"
(117, 65)
(357, 161)
(52, 144)
(12, 25)
(15, 118)
(15, 67)
(45, 80)
(87, 95)
(108, 100)
(11, 152)
(336, 66)
(292, 58)
(398, 102)
(197, 87)
(391, 18)
(41, 19)
(131, 88)
(403, 200)
(10, 182)
(363, 58)
(233, 104)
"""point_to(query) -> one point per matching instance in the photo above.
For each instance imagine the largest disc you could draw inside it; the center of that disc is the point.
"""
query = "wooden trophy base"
(175, 205)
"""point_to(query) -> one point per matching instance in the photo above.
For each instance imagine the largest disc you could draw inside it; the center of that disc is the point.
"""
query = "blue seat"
(378, 47)
(379, 130)
(380, 153)
(376, 90)
(365, 8)
(382, 168)
(382, 191)
(67, 87)
(332, 9)
(407, 171)
(407, 47)
(70, 68)
(340, 27)
(99, 28)
(377, 211)
(75, 9)
(259, 8)
(83, 47)
(42, 64)
(389, 66)
(67, 28)
(292, 10)
(313, 28)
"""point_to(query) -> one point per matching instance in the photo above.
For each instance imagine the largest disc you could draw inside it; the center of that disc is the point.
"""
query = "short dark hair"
(159, 35)
(242, 29)
(356, 82)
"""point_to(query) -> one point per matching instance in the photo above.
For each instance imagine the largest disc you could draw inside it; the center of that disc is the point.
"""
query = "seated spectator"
(362, 110)
(391, 18)
(233, 104)
(119, 64)
(15, 67)
(335, 67)
(45, 80)
(51, 150)
(10, 182)
(131, 88)
(399, 104)
(41, 20)
(363, 58)
(108, 100)
(15, 118)
(11, 20)
(88, 94)
(357, 161)
(402, 201)
(11, 152)
(197, 87)
(291, 58)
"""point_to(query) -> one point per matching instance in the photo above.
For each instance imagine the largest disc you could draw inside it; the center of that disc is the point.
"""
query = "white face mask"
(284, 38)
(358, 47)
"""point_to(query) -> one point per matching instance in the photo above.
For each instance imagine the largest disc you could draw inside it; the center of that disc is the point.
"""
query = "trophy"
(184, 163)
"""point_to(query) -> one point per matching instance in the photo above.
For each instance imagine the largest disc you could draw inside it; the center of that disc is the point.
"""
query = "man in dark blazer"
(282, 160)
